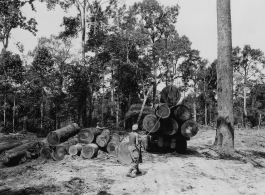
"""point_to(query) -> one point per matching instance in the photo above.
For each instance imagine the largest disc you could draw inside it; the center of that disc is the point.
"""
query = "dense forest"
(124, 54)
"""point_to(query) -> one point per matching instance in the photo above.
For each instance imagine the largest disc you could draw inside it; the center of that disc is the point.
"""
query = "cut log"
(88, 135)
(13, 156)
(113, 143)
(75, 149)
(169, 126)
(103, 139)
(8, 146)
(46, 150)
(61, 135)
(151, 123)
(111, 147)
(89, 150)
(189, 128)
(162, 111)
(170, 95)
(181, 113)
(62, 149)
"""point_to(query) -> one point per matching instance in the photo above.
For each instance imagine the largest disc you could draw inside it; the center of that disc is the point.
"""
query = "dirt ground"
(200, 171)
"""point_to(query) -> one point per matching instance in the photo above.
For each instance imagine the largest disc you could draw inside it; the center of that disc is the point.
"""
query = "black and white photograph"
(132, 97)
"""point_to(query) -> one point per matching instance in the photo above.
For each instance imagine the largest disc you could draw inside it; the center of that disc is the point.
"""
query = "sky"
(197, 20)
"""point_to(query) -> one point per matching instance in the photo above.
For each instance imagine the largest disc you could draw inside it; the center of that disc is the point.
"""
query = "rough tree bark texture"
(225, 120)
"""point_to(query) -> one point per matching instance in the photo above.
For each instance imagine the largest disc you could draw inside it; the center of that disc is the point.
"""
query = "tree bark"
(142, 108)
(8, 146)
(31, 149)
(224, 139)
(88, 135)
(61, 135)
(62, 149)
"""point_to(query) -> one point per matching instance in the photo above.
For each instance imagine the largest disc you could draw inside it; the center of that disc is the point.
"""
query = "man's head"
(135, 127)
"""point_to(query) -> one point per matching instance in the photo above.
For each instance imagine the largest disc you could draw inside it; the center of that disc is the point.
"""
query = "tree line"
(123, 54)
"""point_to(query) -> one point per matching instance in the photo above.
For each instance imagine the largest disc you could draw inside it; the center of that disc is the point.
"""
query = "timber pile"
(73, 141)
(69, 140)
(171, 125)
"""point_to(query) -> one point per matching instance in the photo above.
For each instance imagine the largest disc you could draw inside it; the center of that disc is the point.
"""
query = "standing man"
(134, 152)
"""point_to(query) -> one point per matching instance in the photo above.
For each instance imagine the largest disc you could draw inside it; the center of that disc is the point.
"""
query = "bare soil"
(201, 171)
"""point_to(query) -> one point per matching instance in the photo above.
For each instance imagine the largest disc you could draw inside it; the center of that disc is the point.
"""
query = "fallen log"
(75, 149)
(169, 126)
(62, 149)
(181, 113)
(8, 146)
(13, 156)
(170, 95)
(162, 111)
(89, 150)
(61, 135)
(190, 128)
(88, 135)
(151, 123)
(46, 150)
(103, 139)
(113, 143)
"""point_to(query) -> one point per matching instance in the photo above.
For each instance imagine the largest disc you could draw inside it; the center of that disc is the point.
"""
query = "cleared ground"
(201, 171)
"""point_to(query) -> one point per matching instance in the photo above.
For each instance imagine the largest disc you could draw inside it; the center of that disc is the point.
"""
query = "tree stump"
(88, 135)
(61, 135)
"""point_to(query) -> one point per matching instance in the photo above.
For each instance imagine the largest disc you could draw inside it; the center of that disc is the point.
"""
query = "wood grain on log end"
(151, 123)
(75, 149)
(89, 151)
(162, 111)
(190, 128)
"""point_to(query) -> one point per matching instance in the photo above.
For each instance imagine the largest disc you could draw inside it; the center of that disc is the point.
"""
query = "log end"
(89, 151)
(53, 139)
(85, 136)
(189, 129)
(151, 123)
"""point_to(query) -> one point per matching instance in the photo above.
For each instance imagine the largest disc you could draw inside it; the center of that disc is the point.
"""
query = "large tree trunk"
(142, 108)
(8, 146)
(225, 120)
(61, 135)
(245, 103)
(13, 156)
(62, 149)
(194, 105)
(88, 135)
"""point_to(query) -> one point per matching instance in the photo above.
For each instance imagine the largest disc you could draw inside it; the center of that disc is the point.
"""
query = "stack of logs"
(171, 125)
(73, 141)
(69, 140)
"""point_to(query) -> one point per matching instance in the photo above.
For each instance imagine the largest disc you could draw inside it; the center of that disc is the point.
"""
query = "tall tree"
(246, 65)
(157, 22)
(225, 120)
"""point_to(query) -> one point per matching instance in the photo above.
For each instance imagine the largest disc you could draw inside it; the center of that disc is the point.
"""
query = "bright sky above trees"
(197, 20)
